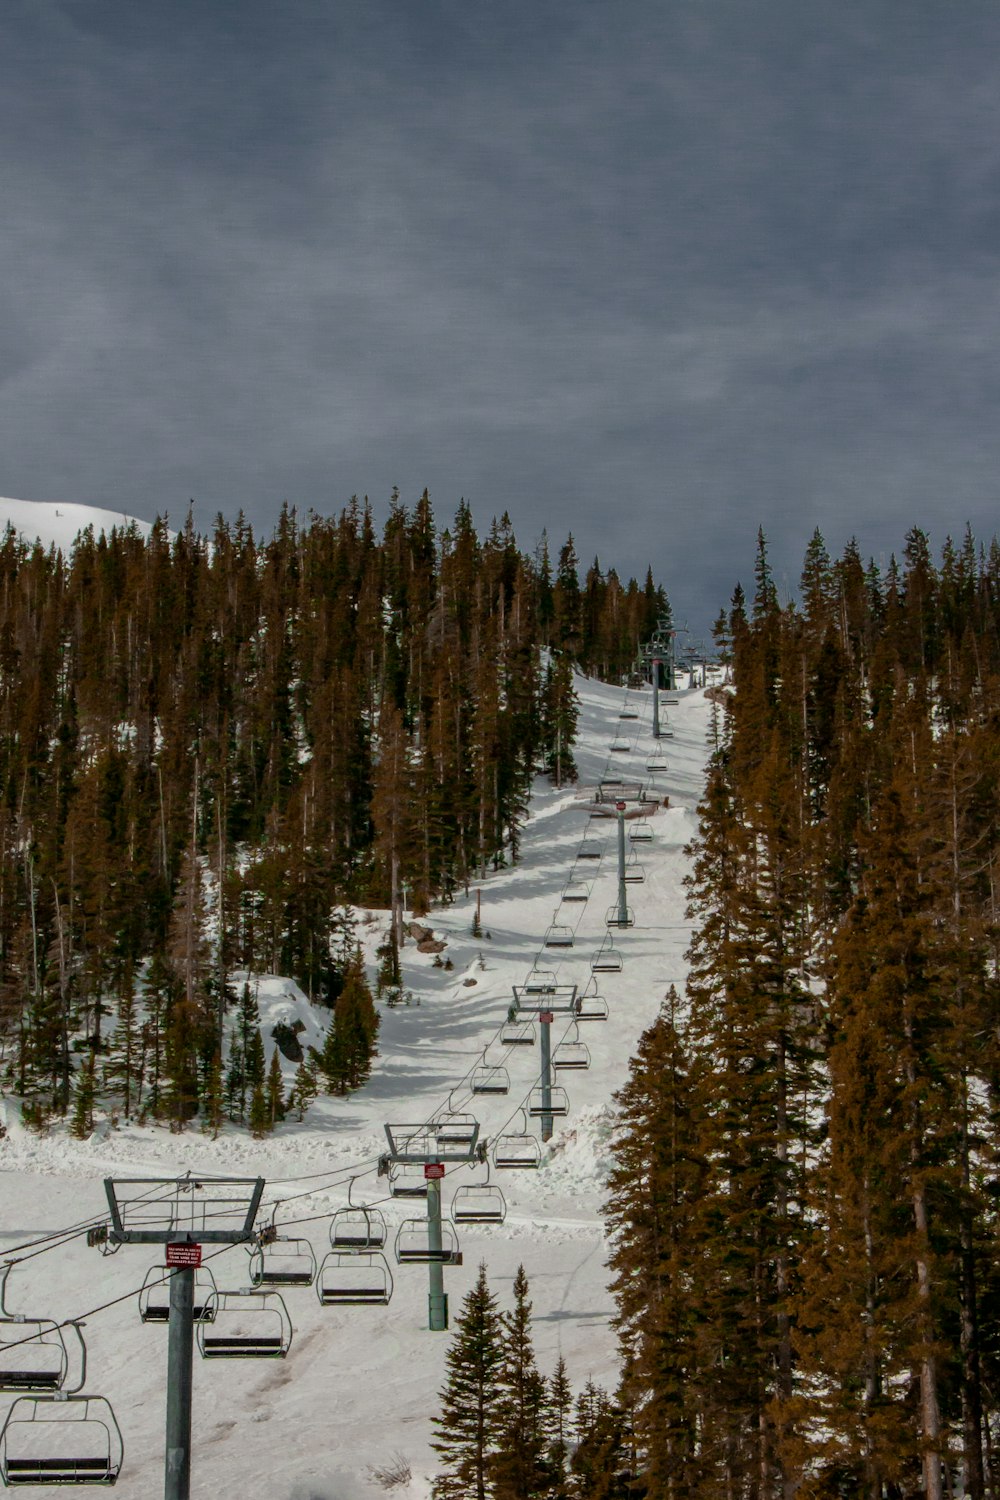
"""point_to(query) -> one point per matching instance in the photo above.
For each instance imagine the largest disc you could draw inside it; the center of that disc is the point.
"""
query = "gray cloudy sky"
(656, 273)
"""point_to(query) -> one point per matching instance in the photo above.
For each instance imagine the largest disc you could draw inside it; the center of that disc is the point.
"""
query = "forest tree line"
(210, 743)
(804, 1204)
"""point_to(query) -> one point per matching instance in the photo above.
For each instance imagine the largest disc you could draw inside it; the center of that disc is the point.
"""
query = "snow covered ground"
(58, 524)
(360, 1383)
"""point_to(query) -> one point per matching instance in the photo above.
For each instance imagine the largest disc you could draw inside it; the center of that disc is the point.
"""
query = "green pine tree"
(519, 1470)
(469, 1398)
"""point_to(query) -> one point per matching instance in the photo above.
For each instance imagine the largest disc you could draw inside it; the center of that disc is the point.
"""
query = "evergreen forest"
(804, 1202)
(211, 745)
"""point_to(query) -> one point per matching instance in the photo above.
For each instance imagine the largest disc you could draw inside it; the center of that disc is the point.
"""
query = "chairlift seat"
(357, 1229)
(656, 763)
(558, 1102)
(489, 1079)
(615, 917)
(350, 1278)
(590, 849)
(478, 1203)
(517, 1034)
(606, 961)
(641, 833)
(247, 1324)
(60, 1440)
(516, 1152)
(413, 1245)
(629, 713)
(577, 890)
(33, 1354)
(154, 1295)
(573, 1055)
(284, 1261)
(559, 936)
(635, 873)
(592, 1008)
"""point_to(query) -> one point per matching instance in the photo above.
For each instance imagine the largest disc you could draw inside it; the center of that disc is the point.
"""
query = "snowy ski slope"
(360, 1383)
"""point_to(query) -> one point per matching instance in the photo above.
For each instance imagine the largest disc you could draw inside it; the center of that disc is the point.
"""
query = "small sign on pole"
(183, 1255)
(620, 806)
(433, 1169)
(546, 1017)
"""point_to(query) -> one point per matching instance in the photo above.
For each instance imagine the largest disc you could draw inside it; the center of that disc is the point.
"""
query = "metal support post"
(672, 663)
(180, 1354)
(437, 1301)
(544, 1037)
(622, 897)
(656, 697)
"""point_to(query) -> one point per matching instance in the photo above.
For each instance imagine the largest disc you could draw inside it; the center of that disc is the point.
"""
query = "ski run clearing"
(360, 1384)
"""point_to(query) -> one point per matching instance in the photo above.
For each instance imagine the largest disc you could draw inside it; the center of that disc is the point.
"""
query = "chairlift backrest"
(552, 1101)
(357, 1229)
(283, 1261)
(571, 1055)
(407, 1180)
(489, 1078)
(516, 1150)
(354, 1278)
(154, 1295)
(60, 1440)
(245, 1324)
(416, 1243)
(478, 1203)
(33, 1354)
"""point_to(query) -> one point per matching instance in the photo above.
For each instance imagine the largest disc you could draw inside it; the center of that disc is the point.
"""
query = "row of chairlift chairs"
(55, 1434)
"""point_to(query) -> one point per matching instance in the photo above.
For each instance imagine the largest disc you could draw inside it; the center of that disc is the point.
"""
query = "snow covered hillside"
(360, 1382)
(58, 524)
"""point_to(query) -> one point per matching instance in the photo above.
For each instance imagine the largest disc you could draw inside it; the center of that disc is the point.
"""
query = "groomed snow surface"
(360, 1383)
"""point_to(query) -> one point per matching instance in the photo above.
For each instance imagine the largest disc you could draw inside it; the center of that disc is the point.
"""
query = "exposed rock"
(431, 944)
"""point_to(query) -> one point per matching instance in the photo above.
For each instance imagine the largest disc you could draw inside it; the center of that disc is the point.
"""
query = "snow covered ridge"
(56, 524)
(360, 1383)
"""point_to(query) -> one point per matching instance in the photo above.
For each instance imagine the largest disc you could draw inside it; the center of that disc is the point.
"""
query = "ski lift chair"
(656, 762)
(514, 1033)
(540, 982)
(641, 833)
(245, 1324)
(282, 1260)
(571, 1055)
(357, 1230)
(60, 1440)
(620, 746)
(591, 1006)
(478, 1203)
(635, 873)
(413, 1244)
(353, 1278)
(559, 936)
(517, 1150)
(407, 1180)
(629, 713)
(558, 1102)
(616, 918)
(34, 1355)
(454, 1128)
(607, 959)
(489, 1078)
(576, 891)
(154, 1295)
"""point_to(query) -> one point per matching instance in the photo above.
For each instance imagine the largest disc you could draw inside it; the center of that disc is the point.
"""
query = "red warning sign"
(620, 806)
(183, 1255)
(433, 1169)
(546, 1017)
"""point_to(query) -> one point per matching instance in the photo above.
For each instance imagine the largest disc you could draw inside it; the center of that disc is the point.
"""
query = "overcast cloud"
(656, 274)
